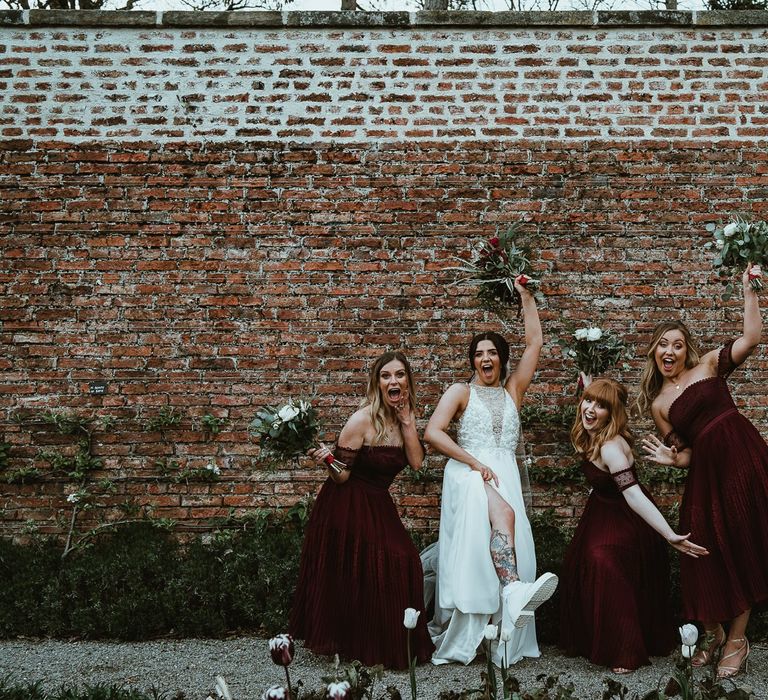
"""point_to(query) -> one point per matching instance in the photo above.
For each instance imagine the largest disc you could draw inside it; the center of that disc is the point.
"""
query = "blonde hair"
(613, 396)
(651, 378)
(373, 397)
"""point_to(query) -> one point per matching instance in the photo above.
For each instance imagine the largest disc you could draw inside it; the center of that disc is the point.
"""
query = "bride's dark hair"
(501, 345)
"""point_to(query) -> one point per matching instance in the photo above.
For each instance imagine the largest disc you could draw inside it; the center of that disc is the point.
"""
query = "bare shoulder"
(358, 425)
(616, 454)
(458, 393)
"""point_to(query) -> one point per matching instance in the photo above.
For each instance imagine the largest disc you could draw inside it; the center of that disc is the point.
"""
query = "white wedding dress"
(467, 589)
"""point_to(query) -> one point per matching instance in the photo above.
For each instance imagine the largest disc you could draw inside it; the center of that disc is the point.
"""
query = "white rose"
(490, 632)
(411, 617)
(288, 412)
(719, 244)
(594, 334)
(581, 334)
(689, 634)
(730, 229)
(73, 498)
(213, 468)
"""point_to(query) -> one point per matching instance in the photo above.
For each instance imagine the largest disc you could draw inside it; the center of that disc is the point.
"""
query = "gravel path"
(190, 666)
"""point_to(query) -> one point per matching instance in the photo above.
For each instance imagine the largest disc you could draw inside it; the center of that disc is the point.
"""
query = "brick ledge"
(639, 18)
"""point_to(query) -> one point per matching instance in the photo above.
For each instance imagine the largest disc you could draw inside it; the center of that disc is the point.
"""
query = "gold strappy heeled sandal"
(726, 670)
(709, 647)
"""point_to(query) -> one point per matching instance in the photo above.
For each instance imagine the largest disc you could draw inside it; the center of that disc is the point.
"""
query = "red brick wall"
(216, 218)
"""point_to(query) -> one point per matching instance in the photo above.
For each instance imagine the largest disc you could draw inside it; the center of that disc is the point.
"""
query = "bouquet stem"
(335, 465)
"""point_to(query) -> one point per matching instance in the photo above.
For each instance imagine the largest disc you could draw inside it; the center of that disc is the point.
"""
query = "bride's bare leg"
(502, 544)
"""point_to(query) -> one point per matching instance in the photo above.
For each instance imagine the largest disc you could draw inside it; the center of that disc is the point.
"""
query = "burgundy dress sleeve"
(346, 455)
(725, 363)
(625, 478)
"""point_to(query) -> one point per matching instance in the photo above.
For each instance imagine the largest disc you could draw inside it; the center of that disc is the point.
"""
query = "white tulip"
(411, 618)
(490, 632)
(687, 651)
(222, 690)
(506, 634)
(730, 229)
(689, 634)
(276, 692)
(581, 334)
(339, 691)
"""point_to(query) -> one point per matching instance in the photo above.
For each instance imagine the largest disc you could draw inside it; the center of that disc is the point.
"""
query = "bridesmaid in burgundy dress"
(359, 568)
(726, 493)
(615, 607)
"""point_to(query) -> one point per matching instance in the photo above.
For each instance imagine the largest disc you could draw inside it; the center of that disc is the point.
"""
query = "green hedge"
(138, 581)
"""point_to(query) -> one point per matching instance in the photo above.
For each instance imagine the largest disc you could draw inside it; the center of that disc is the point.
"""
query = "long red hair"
(613, 396)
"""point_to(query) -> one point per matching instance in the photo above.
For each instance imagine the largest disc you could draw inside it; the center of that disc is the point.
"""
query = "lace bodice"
(490, 420)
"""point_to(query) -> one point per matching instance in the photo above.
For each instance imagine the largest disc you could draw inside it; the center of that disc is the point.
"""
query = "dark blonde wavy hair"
(612, 395)
(373, 397)
(651, 379)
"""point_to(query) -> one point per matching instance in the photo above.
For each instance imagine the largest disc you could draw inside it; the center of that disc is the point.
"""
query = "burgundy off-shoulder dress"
(614, 588)
(725, 502)
(359, 568)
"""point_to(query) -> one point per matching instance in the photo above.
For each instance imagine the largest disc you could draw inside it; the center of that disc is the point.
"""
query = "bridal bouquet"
(737, 244)
(499, 261)
(593, 349)
(288, 431)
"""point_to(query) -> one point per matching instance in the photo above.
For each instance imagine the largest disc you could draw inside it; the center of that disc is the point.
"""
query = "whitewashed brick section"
(308, 85)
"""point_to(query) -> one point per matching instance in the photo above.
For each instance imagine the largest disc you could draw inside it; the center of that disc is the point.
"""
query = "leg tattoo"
(503, 556)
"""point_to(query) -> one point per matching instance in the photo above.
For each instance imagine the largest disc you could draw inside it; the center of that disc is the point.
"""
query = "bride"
(486, 562)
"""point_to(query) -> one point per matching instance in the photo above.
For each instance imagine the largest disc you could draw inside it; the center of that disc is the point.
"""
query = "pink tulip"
(281, 649)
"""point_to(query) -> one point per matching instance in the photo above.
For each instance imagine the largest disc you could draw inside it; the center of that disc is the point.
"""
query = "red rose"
(494, 242)
(523, 280)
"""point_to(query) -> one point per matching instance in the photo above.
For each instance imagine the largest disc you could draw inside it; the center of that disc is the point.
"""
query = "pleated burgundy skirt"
(360, 570)
(614, 588)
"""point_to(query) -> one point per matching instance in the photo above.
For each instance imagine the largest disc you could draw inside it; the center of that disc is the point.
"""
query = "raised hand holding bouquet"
(289, 431)
(737, 244)
(499, 263)
(593, 349)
